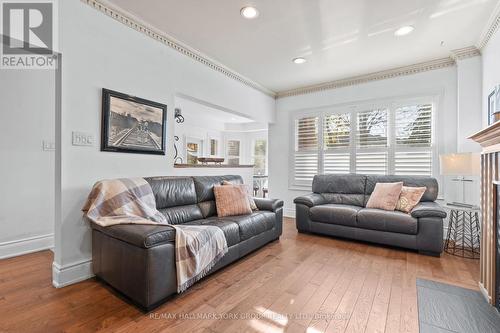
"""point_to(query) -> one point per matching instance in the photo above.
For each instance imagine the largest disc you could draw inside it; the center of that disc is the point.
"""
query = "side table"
(463, 232)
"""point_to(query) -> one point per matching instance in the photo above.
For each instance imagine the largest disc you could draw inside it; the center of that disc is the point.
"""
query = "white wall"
(27, 190)
(202, 124)
(469, 96)
(101, 52)
(189, 130)
(491, 71)
(442, 82)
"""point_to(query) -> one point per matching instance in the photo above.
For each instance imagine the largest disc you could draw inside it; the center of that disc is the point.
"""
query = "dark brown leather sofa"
(139, 260)
(337, 207)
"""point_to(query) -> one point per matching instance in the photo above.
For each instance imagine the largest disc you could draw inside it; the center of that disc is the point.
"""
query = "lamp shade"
(462, 164)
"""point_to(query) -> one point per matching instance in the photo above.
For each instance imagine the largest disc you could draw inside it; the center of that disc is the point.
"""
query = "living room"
(284, 166)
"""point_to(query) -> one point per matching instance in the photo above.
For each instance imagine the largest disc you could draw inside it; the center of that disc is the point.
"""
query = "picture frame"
(132, 125)
(491, 107)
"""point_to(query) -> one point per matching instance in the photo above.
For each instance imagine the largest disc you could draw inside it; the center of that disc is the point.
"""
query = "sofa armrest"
(141, 235)
(268, 204)
(428, 209)
(310, 200)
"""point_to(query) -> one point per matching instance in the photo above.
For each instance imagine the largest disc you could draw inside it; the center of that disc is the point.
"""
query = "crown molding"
(382, 75)
(136, 24)
(491, 28)
(464, 53)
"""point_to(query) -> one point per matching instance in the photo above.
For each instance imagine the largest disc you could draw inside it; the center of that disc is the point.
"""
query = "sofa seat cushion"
(230, 229)
(391, 221)
(253, 224)
(335, 214)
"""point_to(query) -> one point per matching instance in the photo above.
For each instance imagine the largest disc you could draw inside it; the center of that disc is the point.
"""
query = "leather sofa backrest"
(205, 194)
(341, 189)
(172, 191)
(430, 194)
(176, 198)
(355, 189)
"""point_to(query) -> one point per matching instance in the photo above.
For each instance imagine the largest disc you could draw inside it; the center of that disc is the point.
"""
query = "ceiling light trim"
(244, 12)
(128, 20)
(376, 76)
(404, 31)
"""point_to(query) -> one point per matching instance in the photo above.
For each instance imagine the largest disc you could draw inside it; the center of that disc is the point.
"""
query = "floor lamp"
(460, 165)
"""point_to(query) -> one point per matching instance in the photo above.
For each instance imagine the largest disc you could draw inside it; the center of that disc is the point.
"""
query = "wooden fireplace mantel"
(489, 139)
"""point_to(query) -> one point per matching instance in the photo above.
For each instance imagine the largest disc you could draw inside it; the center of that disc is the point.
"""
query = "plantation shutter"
(336, 143)
(413, 128)
(371, 141)
(372, 129)
(392, 138)
(371, 163)
(336, 163)
(306, 149)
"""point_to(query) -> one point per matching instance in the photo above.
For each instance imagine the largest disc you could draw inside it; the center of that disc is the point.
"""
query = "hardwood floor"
(302, 283)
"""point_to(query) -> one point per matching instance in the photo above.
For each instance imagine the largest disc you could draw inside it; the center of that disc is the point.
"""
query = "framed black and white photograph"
(132, 125)
(491, 107)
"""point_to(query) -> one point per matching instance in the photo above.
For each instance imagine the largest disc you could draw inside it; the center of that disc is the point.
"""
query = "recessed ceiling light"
(299, 60)
(249, 12)
(404, 30)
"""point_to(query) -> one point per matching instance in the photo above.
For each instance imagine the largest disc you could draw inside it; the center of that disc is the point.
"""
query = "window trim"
(353, 108)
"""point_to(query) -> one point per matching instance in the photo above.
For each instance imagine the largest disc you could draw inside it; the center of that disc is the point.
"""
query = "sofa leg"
(430, 253)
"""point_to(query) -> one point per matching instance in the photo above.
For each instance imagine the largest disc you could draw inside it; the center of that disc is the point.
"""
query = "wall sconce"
(179, 119)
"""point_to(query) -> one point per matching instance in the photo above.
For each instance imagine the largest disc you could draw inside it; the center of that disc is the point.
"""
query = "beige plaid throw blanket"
(131, 201)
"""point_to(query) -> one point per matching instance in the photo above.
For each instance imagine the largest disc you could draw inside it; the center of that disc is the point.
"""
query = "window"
(337, 139)
(259, 157)
(306, 149)
(372, 143)
(392, 138)
(233, 152)
(413, 127)
(194, 147)
(214, 147)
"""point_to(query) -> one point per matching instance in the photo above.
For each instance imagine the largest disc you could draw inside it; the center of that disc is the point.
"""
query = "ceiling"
(339, 38)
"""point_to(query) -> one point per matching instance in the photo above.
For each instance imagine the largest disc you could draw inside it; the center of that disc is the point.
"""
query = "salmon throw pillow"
(409, 198)
(248, 191)
(231, 200)
(385, 196)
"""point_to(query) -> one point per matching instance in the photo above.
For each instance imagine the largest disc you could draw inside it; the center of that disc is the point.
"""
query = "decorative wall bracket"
(179, 119)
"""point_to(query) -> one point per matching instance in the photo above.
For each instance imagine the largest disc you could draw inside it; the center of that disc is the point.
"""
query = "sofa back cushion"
(354, 189)
(204, 186)
(341, 189)
(175, 198)
(172, 191)
(430, 183)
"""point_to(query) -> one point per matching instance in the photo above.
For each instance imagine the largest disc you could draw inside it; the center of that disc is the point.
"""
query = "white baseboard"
(63, 276)
(484, 293)
(26, 245)
(289, 212)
